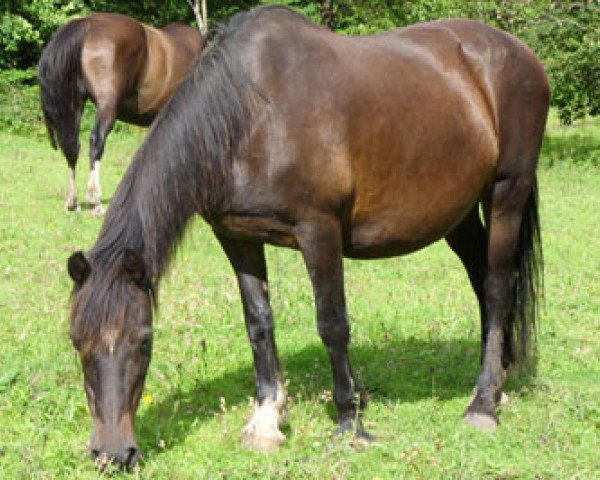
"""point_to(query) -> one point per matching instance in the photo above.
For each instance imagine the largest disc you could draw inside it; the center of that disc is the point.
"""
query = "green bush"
(20, 110)
(569, 44)
(25, 26)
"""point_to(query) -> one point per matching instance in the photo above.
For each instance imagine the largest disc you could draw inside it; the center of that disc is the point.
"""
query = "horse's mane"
(183, 167)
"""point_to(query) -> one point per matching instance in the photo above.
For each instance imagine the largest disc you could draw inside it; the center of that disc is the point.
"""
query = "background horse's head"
(111, 328)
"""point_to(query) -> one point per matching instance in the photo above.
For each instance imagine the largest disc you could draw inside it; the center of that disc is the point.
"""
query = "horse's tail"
(62, 87)
(528, 287)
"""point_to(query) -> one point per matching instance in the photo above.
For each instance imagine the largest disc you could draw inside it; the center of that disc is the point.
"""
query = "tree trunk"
(328, 16)
(200, 11)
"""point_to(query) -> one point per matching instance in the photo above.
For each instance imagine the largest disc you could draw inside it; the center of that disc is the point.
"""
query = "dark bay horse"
(336, 146)
(128, 69)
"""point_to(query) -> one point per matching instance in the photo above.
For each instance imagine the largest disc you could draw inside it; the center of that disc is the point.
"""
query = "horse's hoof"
(72, 207)
(266, 441)
(97, 211)
(361, 441)
(482, 421)
(92, 195)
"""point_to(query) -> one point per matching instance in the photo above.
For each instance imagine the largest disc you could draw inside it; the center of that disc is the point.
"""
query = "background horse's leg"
(508, 200)
(69, 141)
(321, 245)
(105, 120)
(248, 261)
(71, 203)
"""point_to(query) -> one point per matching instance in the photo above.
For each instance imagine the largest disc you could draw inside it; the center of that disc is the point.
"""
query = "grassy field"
(415, 346)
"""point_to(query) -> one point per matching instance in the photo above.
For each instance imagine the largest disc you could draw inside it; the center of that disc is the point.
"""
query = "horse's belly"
(417, 195)
(409, 223)
(388, 237)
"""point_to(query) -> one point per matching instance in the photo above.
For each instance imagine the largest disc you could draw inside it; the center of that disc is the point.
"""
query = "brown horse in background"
(128, 69)
(361, 147)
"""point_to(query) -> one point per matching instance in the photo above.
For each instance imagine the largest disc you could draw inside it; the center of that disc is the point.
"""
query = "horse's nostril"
(95, 454)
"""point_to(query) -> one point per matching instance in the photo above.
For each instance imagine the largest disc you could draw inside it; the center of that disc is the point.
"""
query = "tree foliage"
(566, 35)
(567, 38)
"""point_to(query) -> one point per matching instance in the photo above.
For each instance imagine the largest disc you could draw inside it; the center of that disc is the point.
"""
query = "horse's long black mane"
(184, 166)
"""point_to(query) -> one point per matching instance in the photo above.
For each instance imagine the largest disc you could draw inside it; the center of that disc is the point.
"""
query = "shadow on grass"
(406, 370)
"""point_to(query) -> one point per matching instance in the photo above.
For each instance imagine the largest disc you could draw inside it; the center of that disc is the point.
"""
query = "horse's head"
(111, 328)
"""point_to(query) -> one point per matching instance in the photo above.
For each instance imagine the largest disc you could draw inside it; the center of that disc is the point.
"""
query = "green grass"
(415, 346)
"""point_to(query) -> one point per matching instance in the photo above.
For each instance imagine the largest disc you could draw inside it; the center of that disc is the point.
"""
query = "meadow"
(415, 345)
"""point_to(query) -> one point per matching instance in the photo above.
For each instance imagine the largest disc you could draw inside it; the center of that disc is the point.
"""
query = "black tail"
(528, 284)
(62, 88)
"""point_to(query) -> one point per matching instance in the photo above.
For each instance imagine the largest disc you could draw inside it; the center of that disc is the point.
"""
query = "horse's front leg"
(248, 260)
(321, 245)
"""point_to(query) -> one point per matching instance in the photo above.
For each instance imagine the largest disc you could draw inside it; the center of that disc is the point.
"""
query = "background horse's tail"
(62, 87)
(528, 285)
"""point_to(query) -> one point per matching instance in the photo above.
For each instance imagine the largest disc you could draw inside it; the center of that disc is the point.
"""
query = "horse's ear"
(133, 266)
(79, 268)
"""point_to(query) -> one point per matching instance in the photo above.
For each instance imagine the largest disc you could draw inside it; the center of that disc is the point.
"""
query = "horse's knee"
(259, 332)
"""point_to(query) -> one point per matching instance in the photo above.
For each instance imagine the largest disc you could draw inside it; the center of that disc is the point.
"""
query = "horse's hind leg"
(509, 196)
(248, 260)
(71, 203)
(105, 119)
(469, 241)
(70, 147)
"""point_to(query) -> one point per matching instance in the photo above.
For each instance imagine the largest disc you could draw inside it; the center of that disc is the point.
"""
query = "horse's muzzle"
(125, 458)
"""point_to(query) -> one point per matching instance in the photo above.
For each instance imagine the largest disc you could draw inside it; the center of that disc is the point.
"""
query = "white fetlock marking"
(98, 211)
(71, 199)
(262, 431)
(94, 196)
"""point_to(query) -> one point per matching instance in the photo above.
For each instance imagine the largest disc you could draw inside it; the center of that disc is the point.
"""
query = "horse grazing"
(128, 69)
(336, 146)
